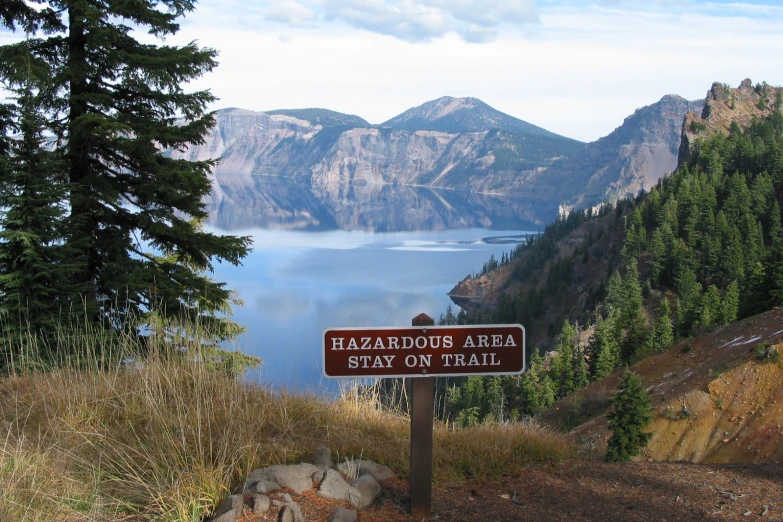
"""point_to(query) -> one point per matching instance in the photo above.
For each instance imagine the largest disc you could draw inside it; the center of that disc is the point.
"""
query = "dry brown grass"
(166, 438)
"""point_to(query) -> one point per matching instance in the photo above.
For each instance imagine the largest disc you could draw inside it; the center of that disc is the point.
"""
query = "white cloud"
(584, 71)
(410, 20)
(289, 12)
(489, 14)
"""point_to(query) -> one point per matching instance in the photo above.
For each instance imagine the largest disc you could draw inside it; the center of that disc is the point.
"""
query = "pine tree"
(729, 305)
(710, 308)
(34, 279)
(689, 300)
(663, 335)
(632, 295)
(562, 370)
(630, 417)
(658, 251)
(604, 352)
(116, 104)
(614, 301)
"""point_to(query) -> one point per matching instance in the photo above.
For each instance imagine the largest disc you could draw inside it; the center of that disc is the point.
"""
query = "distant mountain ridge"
(455, 115)
(448, 143)
(324, 117)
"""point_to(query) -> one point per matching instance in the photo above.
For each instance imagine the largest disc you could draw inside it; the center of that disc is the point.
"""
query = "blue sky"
(575, 67)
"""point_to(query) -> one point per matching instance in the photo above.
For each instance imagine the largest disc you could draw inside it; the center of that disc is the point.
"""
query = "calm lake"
(298, 282)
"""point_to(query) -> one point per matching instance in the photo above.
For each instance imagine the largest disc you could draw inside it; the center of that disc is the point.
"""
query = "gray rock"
(318, 476)
(229, 510)
(286, 497)
(260, 504)
(261, 486)
(340, 514)
(291, 512)
(336, 488)
(369, 489)
(358, 467)
(322, 458)
(297, 477)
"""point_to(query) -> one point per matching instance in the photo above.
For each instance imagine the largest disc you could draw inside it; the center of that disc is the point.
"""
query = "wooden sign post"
(420, 479)
(423, 351)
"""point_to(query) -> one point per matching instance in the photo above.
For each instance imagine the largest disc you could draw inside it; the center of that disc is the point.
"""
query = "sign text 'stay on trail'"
(424, 351)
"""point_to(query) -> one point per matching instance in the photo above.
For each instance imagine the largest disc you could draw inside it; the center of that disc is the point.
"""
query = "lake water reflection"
(308, 273)
(296, 284)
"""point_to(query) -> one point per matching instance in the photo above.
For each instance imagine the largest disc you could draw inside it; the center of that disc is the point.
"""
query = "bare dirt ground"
(585, 490)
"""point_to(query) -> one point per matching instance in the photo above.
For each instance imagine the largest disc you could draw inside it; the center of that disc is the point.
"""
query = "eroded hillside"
(716, 397)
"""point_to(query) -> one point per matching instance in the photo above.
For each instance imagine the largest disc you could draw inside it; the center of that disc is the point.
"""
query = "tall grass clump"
(151, 429)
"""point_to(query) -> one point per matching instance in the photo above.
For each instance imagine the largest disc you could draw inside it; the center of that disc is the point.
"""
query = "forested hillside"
(702, 249)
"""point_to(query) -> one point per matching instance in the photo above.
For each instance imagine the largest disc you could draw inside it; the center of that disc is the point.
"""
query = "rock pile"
(353, 481)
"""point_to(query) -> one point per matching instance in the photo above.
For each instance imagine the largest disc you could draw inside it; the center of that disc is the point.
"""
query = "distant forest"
(707, 241)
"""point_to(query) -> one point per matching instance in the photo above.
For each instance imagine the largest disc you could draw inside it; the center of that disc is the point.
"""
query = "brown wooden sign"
(424, 351)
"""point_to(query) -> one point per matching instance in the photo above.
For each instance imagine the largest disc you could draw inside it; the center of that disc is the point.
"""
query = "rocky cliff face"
(632, 158)
(724, 105)
(449, 143)
(332, 152)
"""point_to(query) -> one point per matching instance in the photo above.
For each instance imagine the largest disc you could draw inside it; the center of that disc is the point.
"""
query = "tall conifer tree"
(34, 275)
(134, 212)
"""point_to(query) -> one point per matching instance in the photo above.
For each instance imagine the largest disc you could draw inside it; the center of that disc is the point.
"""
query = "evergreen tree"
(658, 251)
(630, 417)
(631, 310)
(562, 370)
(710, 308)
(614, 295)
(637, 339)
(34, 279)
(688, 301)
(116, 104)
(603, 350)
(663, 335)
(729, 305)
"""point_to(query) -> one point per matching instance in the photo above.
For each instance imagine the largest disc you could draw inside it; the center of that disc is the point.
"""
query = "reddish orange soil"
(713, 399)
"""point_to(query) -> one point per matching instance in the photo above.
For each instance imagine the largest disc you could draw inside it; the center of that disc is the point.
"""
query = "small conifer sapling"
(630, 417)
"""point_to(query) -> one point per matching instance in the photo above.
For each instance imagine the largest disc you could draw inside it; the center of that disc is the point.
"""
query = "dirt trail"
(586, 490)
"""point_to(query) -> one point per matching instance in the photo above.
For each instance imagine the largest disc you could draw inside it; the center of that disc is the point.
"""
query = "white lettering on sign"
(394, 343)
(458, 359)
(411, 361)
(483, 341)
(370, 361)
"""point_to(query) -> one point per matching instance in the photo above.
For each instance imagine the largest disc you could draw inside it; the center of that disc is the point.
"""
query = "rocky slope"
(714, 398)
(724, 105)
(632, 158)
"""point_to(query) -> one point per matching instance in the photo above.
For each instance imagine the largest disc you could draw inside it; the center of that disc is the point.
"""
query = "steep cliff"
(448, 143)
(724, 105)
(331, 149)
(632, 158)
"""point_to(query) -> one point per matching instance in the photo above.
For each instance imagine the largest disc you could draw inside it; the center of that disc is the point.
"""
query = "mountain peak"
(455, 115)
(446, 105)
